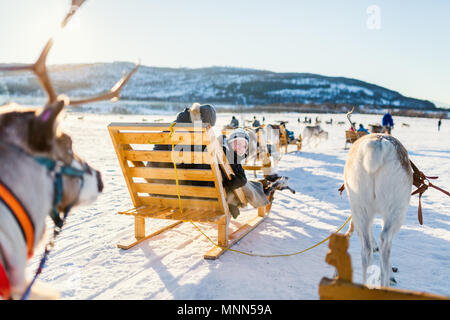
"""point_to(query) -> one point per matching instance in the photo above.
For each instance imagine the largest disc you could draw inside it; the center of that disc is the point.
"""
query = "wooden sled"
(343, 288)
(154, 192)
(352, 136)
(284, 139)
(262, 162)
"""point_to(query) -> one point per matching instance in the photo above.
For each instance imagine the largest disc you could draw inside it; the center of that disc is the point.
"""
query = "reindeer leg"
(363, 225)
(390, 229)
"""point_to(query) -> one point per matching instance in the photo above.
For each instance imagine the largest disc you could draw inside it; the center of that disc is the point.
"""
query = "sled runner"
(158, 188)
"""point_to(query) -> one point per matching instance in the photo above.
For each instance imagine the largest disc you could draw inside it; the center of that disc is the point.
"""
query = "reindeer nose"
(99, 182)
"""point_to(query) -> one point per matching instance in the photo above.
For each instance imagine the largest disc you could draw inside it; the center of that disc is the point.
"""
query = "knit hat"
(238, 134)
(204, 113)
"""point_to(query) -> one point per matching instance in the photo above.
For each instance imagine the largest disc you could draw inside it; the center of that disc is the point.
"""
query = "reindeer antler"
(39, 68)
(348, 117)
(113, 94)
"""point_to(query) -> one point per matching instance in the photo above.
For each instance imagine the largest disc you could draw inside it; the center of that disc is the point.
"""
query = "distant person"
(439, 124)
(387, 122)
(362, 129)
(255, 123)
(234, 123)
(264, 119)
(290, 134)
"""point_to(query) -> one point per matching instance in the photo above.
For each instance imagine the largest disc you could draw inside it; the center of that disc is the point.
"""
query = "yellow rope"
(226, 248)
(175, 166)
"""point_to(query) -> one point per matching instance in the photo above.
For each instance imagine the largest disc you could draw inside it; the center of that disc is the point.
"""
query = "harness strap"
(59, 170)
(420, 180)
(20, 214)
(5, 289)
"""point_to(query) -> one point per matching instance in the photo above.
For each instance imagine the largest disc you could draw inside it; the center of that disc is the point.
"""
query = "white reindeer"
(378, 179)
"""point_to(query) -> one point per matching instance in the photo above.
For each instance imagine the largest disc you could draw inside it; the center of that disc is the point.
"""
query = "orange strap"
(20, 214)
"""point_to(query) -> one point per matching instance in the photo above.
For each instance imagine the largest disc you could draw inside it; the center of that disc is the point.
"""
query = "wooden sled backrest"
(150, 174)
(283, 135)
(352, 136)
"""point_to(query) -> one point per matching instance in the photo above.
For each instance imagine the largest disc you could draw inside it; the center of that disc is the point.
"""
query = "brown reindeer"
(39, 172)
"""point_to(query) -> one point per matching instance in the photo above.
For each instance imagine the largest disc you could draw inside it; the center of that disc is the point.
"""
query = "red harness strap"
(5, 289)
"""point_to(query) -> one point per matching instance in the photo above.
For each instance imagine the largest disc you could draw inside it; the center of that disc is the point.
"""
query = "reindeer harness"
(57, 170)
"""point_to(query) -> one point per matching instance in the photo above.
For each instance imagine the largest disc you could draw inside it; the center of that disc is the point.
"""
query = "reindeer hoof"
(394, 269)
(393, 281)
(376, 249)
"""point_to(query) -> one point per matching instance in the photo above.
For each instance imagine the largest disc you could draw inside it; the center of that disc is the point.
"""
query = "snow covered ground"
(86, 264)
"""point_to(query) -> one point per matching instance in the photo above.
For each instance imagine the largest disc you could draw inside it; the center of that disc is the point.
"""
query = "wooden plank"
(114, 133)
(139, 126)
(146, 211)
(195, 157)
(169, 174)
(216, 252)
(178, 138)
(206, 216)
(185, 203)
(203, 215)
(334, 289)
(171, 189)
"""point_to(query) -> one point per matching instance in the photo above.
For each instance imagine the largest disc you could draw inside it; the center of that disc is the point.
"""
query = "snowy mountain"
(213, 84)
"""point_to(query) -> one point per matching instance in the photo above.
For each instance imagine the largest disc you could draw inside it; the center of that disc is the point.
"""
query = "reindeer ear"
(43, 127)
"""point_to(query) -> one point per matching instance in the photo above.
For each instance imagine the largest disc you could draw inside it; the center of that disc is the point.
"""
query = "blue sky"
(408, 51)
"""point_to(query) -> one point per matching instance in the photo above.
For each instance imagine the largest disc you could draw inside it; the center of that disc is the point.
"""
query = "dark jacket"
(387, 120)
(234, 123)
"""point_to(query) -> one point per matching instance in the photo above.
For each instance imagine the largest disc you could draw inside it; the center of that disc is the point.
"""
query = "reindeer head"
(35, 132)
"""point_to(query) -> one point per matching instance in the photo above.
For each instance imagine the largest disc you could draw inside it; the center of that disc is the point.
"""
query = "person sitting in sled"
(258, 192)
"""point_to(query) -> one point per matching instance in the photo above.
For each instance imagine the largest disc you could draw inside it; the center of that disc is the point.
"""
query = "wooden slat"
(114, 133)
(185, 203)
(199, 215)
(139, 126)
(169, 174)
(195, 157)
(171, 189)
(188, 214)
(185, 138)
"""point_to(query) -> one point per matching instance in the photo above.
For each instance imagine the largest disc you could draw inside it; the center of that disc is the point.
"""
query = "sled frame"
(154, 192)
(284, 139)
(352, 136)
